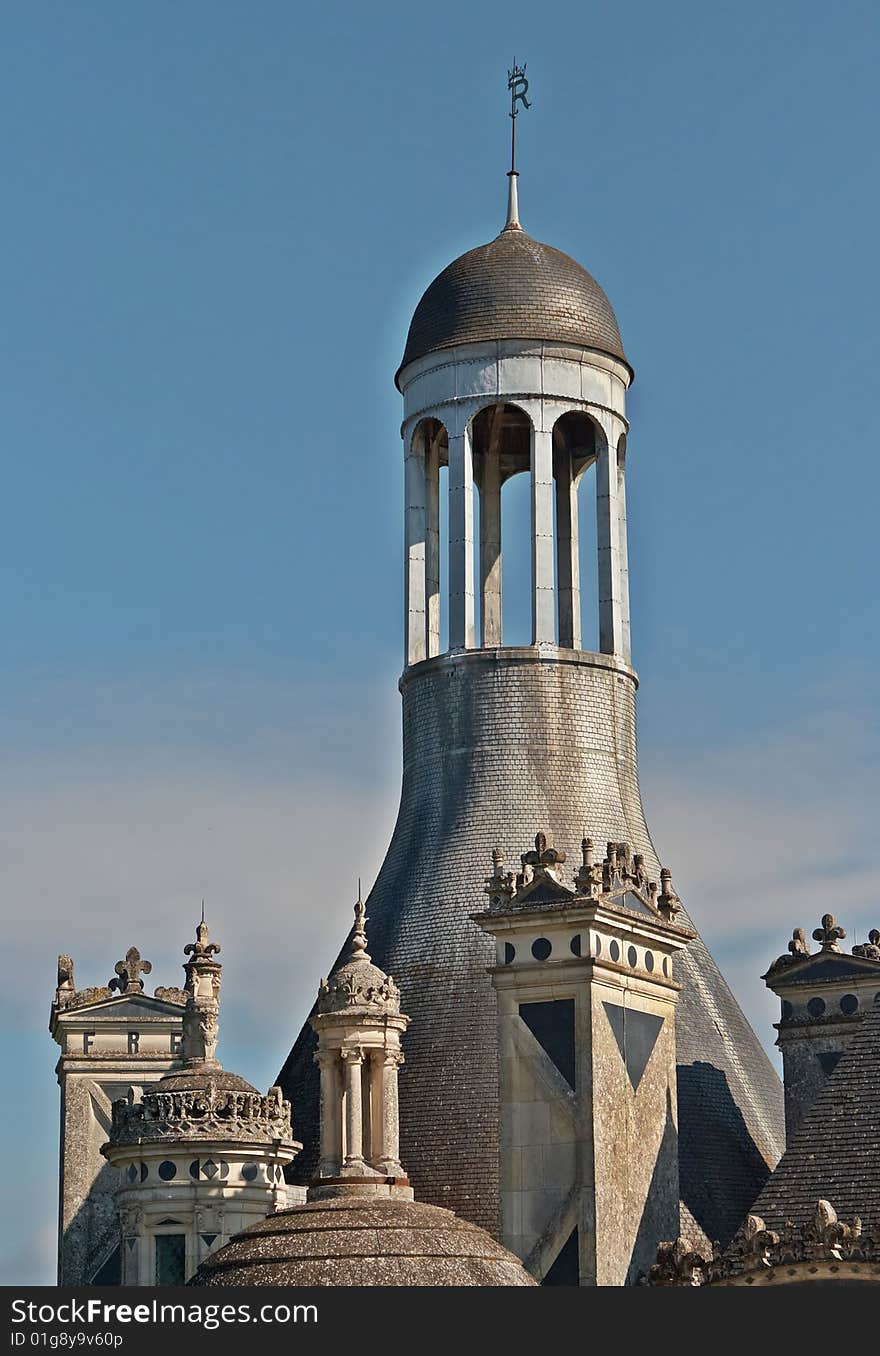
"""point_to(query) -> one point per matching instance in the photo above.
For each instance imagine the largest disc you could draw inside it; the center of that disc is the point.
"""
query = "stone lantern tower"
(360, 1223)
(359, 1026)
(514, 366)
(200, 1154)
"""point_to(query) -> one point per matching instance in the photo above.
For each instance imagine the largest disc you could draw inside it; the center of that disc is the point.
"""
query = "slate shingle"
(513, 287)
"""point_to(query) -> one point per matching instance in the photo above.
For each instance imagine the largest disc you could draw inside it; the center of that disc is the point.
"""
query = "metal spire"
(518, 86)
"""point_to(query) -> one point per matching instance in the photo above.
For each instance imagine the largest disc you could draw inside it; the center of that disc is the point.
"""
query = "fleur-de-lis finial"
(201, 948)
(829, 934)
(129, 971)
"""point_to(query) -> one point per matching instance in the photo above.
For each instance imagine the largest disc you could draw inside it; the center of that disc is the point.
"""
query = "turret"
(200, 1154)
(824, 995)
(359, 1025)
(111, 1035)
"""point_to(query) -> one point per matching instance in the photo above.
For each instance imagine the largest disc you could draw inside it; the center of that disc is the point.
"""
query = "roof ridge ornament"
(829, 933)
(355, 982)
(869, 950)
(358, 950)
(128, 972)
(518, 86)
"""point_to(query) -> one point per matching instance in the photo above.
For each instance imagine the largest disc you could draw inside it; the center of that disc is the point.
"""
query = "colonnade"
(481, 452)
(359, 1111)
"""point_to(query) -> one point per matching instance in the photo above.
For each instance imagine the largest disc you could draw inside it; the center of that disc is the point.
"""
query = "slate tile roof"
(513, 287)
(833, 1154)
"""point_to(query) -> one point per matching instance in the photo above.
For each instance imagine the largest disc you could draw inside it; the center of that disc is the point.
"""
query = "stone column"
(626, 647)
(376, 1152)
(432, 563)
(331, 1106)
(543, 603)
(608, 534)
(367, 1115)
(567, 557)
(415, 532)
(390, 1117)
(490, 549)
(354, 1154)
(461, 542)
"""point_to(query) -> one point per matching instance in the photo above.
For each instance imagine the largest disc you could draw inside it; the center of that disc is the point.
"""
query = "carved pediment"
(131, 1006)
(630, 899)
(824, 967)
(543, 889)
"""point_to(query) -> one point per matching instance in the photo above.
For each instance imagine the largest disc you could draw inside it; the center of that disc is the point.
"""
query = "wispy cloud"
(768, 833)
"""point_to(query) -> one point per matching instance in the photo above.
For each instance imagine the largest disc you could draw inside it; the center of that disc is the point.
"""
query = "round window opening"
(249, 1172)
(167, 1170)
(509, 953)
(541, 949)
(849, 1004)
(787, 1009)
(632, 956)
(575, 944)
(614, 951)
(649, 961)
(816, 1007)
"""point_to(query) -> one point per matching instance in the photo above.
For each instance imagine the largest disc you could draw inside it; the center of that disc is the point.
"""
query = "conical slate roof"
(513, 287)
(833, 1153)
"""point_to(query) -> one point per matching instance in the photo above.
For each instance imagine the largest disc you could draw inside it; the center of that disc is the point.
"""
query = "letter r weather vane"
(519, 88)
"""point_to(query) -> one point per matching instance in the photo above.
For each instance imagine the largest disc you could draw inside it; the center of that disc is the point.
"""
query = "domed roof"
(203, 1077)
(357, 984)
(513, 288)
(362, 1240)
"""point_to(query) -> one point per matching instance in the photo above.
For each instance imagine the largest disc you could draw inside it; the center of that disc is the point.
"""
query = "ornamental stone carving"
(540, 879)
(65, 975)
(869, 950)
(357, 983)
(678, 1263)
(829, 934)
(756, 1250)
(169, 993)
(129, 971)
(209, 1112)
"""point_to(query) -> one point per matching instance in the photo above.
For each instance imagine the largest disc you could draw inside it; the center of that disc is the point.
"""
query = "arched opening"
(501, 441)
(575, 449)
(426, 553)
(622, 547)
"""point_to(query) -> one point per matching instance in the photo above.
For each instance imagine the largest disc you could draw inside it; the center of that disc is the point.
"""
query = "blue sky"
(217, 220)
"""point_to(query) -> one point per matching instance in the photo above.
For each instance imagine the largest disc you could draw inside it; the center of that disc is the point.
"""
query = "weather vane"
(519, 88)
